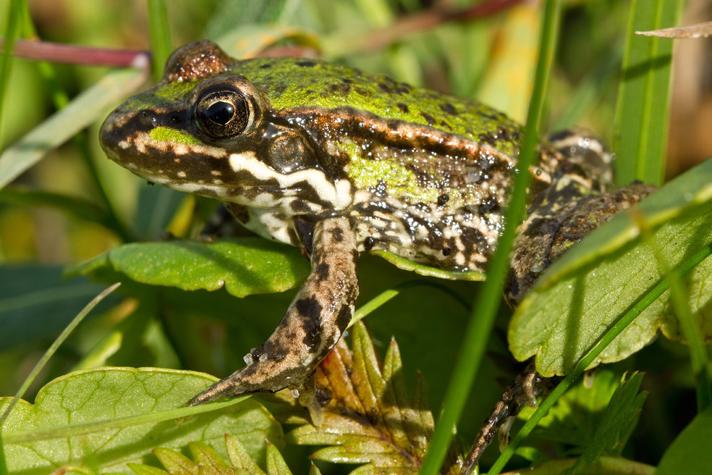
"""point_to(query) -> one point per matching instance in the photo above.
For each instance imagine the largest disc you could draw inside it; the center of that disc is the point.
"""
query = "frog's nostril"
(147, 119)
(175, 118)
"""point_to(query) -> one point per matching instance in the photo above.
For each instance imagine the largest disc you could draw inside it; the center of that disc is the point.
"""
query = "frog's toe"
(259, 375)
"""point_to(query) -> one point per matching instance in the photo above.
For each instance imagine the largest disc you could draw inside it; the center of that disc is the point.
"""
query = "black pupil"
(220, 112)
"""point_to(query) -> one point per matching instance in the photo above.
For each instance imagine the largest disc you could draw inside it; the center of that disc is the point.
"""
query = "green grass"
(643, 105)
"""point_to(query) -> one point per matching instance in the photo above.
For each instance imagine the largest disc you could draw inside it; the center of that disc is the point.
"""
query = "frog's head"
(207, 129)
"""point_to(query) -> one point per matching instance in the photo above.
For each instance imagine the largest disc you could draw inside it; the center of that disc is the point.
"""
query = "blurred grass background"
(489, 59)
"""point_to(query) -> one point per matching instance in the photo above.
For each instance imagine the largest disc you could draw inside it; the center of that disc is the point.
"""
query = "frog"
(339, 162)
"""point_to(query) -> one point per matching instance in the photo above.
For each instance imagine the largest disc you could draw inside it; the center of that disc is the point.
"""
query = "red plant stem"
(72, 54)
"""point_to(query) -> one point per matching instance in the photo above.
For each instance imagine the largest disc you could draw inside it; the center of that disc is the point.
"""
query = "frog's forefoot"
(313, 324)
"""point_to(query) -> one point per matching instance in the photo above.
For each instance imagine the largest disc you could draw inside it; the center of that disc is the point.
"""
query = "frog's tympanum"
(325, 157)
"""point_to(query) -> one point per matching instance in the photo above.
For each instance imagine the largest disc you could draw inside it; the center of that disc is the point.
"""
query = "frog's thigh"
(313, 323)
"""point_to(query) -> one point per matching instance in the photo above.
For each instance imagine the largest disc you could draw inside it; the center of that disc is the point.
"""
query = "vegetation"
(108, 395)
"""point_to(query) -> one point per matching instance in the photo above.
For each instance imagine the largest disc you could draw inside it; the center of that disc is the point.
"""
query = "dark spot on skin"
(489, 205)
(256, 353)
(305, 63)
(354, 255)
(428, 118)
(448, 108)
(381, 189)
(474, 239)
(274, 351)
(337, 234)
(279, 88)
(402, 88)
(299, 206)
(403, 108)
(385, 87)
(446, 251)
(393, 124)
(340, 89)
(344, 317)
(368, 243)
(239, 212)
(442, 199)
(347, 81)
(310, 311)
(322, 271)
(487, 114)
(266, 66)
(488, 138)
(363, 92)
(561, 135)
(305, 230)
(322, 396)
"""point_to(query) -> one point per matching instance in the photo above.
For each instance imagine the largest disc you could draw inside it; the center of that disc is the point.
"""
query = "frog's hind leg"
(524, 391)
(313, 324)
(582, 155)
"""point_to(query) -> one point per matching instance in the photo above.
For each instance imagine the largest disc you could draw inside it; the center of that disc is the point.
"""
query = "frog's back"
(293, 83)
(431, 172)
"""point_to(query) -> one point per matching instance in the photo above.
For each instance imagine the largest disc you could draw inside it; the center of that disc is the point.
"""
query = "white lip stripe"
(337, 193)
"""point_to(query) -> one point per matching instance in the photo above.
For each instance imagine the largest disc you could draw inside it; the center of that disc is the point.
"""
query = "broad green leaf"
(36, 302)
(642, 107)
(363, 414)
(243, 266)
(428, 271)
(207, 457)
(205, 460)
(616, 424)
(80, 113)
(690, 452)
(104, 419)
(275, 463)
(581, 294)
(573, 420)
(239, 457)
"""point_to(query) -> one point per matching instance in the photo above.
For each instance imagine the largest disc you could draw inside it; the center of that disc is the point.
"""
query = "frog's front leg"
(314, 322)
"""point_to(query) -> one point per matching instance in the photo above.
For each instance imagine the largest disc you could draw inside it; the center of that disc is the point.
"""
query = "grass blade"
(63, 125)
(11, 31)
(160, 35)
(55, 345)
(485, 309)
(642, 108)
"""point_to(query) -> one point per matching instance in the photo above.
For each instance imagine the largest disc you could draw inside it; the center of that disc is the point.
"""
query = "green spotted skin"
(338, 162)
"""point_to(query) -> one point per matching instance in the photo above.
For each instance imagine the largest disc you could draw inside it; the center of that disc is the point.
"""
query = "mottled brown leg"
(527, 386)
(313, 324)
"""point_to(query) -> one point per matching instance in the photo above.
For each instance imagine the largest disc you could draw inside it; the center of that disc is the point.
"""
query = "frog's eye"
(223, 114)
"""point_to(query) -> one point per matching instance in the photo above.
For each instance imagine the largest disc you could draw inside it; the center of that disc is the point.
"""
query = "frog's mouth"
(174, 158)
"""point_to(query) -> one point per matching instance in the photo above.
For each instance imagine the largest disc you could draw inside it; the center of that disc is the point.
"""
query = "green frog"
(338, 162)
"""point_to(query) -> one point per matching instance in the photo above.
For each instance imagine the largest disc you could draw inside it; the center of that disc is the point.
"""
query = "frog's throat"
(313, 324)
(337, 193)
